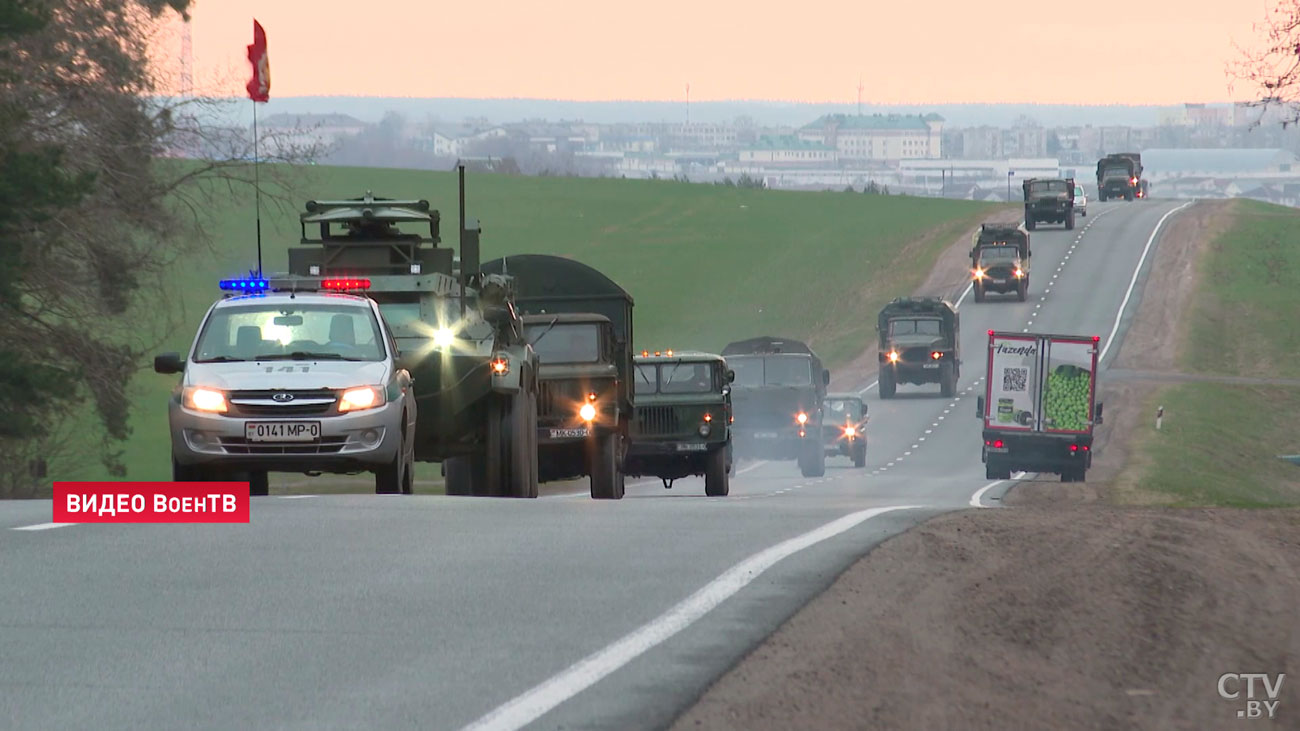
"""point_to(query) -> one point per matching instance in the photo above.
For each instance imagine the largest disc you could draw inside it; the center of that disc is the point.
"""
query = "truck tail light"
(936, 355)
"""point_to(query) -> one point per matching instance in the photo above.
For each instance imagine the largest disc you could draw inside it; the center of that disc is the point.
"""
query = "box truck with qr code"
(1039, 405)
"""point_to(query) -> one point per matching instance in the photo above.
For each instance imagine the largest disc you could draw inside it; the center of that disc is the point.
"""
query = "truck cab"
(778, 393)
(919, 344)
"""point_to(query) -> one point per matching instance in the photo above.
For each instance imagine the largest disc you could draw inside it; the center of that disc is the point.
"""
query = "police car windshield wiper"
(302, 355)
(222, 359)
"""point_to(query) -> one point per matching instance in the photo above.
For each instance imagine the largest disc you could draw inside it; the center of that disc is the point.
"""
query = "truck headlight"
(893, 356)
(850, 431)
(587, 412)
(802, 418)
(443, 337)
(205, 399)
(360, 399)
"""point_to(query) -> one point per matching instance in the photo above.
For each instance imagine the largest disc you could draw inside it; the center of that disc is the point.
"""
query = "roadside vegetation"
(1220, 444)
(705, 264)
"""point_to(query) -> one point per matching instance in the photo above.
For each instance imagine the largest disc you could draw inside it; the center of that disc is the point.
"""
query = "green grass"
(705, 264)
(1220, 443)
(1219, 446)
(1246, 313)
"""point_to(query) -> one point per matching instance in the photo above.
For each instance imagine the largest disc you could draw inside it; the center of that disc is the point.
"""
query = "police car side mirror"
(826, 378)
(168, 363)
(979, 407)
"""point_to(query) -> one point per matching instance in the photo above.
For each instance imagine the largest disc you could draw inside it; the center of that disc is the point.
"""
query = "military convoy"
(456, 328)
(919, 343)
(777, 395)
(579, 322)
(683, 419)
(999, 259)
(1049, 200)
(1120, 176)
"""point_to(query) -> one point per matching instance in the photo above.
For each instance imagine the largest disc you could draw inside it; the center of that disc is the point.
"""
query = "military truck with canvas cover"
(579, 322)
(682, 427)
(457, 332)
(1120, 176)
(919, 344)
(999, 260)
(1039, 406)
(1049, 201)
(844, 427)
(777, 396)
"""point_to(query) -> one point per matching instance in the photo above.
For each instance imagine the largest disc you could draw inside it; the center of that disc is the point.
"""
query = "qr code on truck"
(1015, 379)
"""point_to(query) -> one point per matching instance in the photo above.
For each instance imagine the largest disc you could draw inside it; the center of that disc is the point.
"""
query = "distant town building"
(878, 137)
(788, 150)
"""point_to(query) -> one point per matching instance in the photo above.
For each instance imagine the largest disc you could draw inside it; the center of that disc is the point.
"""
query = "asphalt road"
(362, 611)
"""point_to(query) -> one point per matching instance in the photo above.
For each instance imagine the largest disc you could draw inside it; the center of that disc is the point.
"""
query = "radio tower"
(187, 61)
(859, 95)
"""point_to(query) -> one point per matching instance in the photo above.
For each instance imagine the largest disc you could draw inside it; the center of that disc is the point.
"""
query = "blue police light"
(246, 285)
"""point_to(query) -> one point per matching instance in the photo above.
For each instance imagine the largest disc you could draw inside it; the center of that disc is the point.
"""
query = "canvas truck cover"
(557, 284)
(1041, 383)
(1132, 161)
(917, 306)
(1001, 234)
(767, 345)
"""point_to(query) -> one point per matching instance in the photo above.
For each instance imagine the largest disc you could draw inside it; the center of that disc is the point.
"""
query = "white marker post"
(1160, 417)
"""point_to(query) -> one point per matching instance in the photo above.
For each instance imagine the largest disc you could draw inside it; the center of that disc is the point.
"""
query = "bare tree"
(1271, 70)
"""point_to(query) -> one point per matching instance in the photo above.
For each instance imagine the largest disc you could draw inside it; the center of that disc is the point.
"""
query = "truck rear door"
(1012, 385)
(1069, 384)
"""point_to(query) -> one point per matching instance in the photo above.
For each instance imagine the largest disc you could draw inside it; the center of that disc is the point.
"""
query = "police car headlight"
(205, 399)
(360, 399)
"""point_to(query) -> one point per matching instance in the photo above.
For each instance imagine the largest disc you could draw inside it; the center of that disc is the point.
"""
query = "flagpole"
(257, 192)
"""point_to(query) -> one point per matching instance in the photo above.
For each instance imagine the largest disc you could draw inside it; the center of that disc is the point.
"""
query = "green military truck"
(456, 329)
(1049, 200)
(579, 322)
(682, 427)
(1120, 176)
(777, 396)
(999, 259)
(844, 427)
(918, 344)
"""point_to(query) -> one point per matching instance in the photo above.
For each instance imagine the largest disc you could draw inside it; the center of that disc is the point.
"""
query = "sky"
(918, 52)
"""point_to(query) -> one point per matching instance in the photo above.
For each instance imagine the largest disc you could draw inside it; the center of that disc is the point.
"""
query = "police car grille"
(266, 405)
(240, 445)
(657, 420)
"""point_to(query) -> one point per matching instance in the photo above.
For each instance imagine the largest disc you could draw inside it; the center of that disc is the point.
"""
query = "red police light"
(344, 285)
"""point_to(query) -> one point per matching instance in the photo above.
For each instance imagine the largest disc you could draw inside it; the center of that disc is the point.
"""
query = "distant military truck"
(1120, 176)
(1049, 201)
(918, 339)
(579, 322)
(682, 428)
(456, 328)
(844, 427)
(777, 396)
(999, 259)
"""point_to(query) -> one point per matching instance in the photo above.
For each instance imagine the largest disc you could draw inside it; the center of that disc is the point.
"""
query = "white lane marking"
(533, 704)
(44, 526)
(1133, 282)
(927, 431)
(975, 499)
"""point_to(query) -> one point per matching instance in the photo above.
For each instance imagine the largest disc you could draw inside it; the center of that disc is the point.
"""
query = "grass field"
(705, 264)
(1219, 443)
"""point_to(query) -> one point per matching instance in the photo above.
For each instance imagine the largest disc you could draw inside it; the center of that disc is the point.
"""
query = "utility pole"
(688, 103)
(859, 95)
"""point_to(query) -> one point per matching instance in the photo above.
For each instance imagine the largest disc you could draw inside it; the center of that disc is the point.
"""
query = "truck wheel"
(978, 291)
(860, 455)
(1022, 291)
(602, 466)
(716, 482)
(886, 384)
(995, 471)
(1128, 196)
(516, 473)
(1029, 223)
(458, 476)
(1069, 220)
(813, 463)
(947, 380)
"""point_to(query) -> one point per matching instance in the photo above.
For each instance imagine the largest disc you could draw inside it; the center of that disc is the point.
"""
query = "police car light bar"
(249, 285)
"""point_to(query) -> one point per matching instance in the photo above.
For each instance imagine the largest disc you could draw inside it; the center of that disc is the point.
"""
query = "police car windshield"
(772, 370)
(914, 327)
(565, 343)
(290, 331)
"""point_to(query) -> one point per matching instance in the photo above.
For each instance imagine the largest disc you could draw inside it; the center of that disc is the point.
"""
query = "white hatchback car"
(1080, 200)
(291, 381)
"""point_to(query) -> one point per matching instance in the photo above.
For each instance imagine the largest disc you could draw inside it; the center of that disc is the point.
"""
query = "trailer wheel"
(716, 482)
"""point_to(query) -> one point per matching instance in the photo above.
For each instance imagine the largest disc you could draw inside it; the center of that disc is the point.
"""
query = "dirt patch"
(950, 275)
(1096, 618)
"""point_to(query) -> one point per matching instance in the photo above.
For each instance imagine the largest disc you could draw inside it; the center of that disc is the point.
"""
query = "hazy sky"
(935, 51)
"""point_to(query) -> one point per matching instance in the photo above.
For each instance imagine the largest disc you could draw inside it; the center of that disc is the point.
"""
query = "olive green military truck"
(999, 259)
(778, 392)
(918, 341)
(682, 427)
(456, 329)
(1049, 201)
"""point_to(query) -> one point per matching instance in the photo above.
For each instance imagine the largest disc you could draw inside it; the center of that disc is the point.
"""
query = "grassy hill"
(705, 264)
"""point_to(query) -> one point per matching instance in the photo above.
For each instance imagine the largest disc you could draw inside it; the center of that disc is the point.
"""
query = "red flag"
(259, 87)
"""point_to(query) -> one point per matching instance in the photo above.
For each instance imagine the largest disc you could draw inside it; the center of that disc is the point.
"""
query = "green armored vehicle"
(919, 344)
(1049, 201)
(999, 259)
(456, 329)
(579, 322)
(778, 392)
(683, 419)
(844, 428)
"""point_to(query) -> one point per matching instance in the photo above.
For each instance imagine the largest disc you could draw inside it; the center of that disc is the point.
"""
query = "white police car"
(291, 375)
